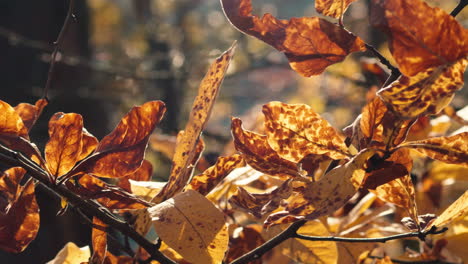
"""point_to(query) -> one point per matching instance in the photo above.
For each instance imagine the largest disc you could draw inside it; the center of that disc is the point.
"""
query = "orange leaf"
(122, 151)
(143, 173)
(11, 124)
(332, 8)
(453, 149)
(417, 41)
(201, 110)
(311, 44)
(19, 220)
(295, 131)
(205, 182)
(427, 92)
(63, 149)
(90, 143)
(371, 120)
(99, 241)
(243, 240)
(258, 154)
(30, 113)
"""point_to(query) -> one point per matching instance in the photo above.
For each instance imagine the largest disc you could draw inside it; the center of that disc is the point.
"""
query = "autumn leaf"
(452, 149)
(205, 182)
(99, 241)
(258, 154)
(63, 149)
(371, 120)
(122, 151)
(421, 37)
(19, 214)
(243, 240)
(11, 124)
(89, 142)
(332, 8)
(71, 254)
(202, 233)
(427, 92)
(201, 110)
(143, 173)
(30, 113)
(295, 131)
(455, 210)
(311, 44)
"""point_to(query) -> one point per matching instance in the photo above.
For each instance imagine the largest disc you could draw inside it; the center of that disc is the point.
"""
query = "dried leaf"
(243, 240)
(90, 143)
(99, 241)
(30, 113)
(71, 254)
(63, 149)
(140, 220)
(20, 223)
(456, 209)
(143, 173)
(205, 182)
(371, 120)
(421, 37)
(310, 44)
(332, 8)
(427, 92)
(452, 149)
(295, 131)
(146, 189)
(11, 124)
(122, 151)
(202, 233)
(201, 110)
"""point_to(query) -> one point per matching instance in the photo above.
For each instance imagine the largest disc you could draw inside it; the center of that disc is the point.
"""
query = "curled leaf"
(311, 44)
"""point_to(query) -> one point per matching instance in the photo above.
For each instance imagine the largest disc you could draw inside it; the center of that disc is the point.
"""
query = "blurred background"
(122, 53)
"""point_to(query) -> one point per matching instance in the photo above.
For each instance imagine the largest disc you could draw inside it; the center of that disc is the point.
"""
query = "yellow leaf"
(192, 226)
(456, 209)
(441, 171)
(71, 254)
(333, 8)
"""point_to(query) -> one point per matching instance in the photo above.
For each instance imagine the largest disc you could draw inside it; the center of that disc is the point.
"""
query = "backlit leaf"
(71, 254)
(371, 120)
(456, 209)
(63, 149)
(122, 151)
(99, 241)
(11, 123)
(295, 131)
(202, 235)
(258, 154)
(421, 37)
(90, 143)
(143, 173)
(30, 113)
(310, 44)
(427, 92)
(333, 8)
(452, 149)
(205, 182)
(201, 110)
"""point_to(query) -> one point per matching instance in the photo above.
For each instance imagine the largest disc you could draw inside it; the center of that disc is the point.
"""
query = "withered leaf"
(311, 44)
(205, 182)
(332, 8)
(90, 143)
(371, 120)
(71, 253)
(63, 149)
(421, 37)
(201, 110)
(456, 209)
(143, 173)
(11, 124)
(99, 241)
(258, 154)
(295, 131)
(452, 149)
(30, 113)
(20, 223)
(243, 240)
(122, 151)
(202, 233)
(427, 92)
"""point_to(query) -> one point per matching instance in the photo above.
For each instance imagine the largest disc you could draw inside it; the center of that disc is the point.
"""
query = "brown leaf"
(90, 143)
(417, 41)
(295, 131)
(202, 233)
(11, 124)
(332, 8)
(205, 182)
(201, 110)
(243, 240)
(311, 44)
(143, 173)
(63, 149)
(30, 113)
(427, 92)
(371, 120)
(456, 209)
(99, 241)
(122, 151)
(258, 154)
(20, 223)
(452, 149)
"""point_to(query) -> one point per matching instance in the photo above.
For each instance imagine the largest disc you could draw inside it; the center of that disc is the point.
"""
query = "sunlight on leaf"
(332, 8)
(30, 113)
(71, 254)
(456, 209)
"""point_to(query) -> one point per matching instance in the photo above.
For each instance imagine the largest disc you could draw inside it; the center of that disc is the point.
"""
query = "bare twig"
(459, 8)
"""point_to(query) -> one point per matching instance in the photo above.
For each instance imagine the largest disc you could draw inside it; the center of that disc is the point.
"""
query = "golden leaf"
(99, 241)
(455, 210)
(71, 254)
(311, 44)
(371, 120)
(452, 149)
(417, 41)
(11, 124)
(201, 110)
(90, 143)
(427, 92)
(295, 131)
(258, 154)
(332, 8)
(205, 182)
(30, 113)
(202, 235)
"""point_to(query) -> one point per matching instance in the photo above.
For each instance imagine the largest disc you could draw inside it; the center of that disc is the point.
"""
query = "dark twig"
(394, 70)
(90, 207)
(57, 45)
(459, 8)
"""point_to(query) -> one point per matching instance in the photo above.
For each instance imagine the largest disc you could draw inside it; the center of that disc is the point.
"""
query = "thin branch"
(91, 207)
(270, 244)
(459, 8)
(394, 70)
(57, 45)
(420, 235)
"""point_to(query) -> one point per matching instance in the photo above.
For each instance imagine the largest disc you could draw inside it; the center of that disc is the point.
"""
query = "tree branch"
(459, 8)
(91, 207)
